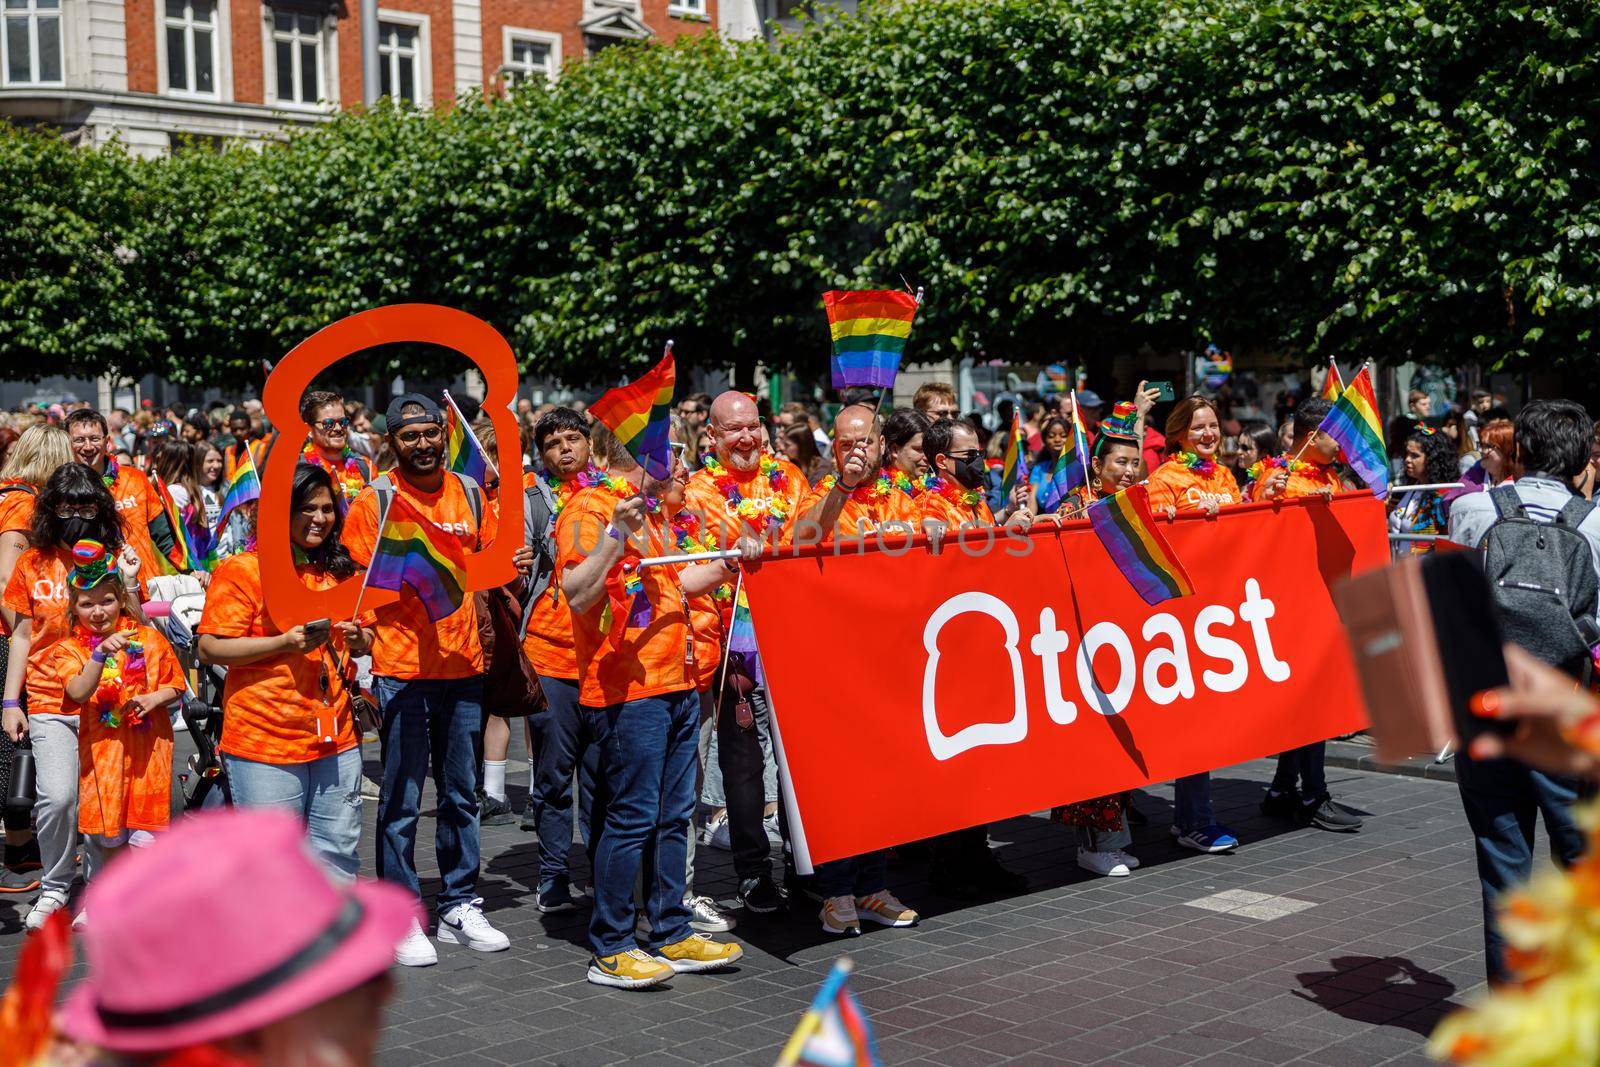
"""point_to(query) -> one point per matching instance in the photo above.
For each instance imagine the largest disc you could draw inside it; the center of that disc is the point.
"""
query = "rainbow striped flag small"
(1332, 385)
(640, 414)
(1013, 462)
(1128, 531)
(463, 452)
(1355, 424)
(243, 486)
(178, 558)
(742, 632)
(869, 329)
(413, 553)
(1071, 470)
(834, 1031)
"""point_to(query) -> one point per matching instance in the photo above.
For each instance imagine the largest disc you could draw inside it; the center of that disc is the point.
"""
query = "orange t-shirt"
(1311, 479)
(617, 662)
(271, 707)
(16, 507)
(548, 642)
(124, 772)
(38, 590)
(724, 522)
(1175, 485)
(870, 507)
(942, 507)
(408, 646)
(138, 504)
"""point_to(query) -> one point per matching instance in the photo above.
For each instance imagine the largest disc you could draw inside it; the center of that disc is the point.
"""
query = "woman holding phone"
(289, 736)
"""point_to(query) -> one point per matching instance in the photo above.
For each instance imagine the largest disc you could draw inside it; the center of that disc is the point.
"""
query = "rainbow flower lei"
(348, 476)
(865, 493)
(121, 679)
(1202, 467)
(772, 510)
(1271, 463)
(951, 491)
(902, 481)
(561, 489)
(687, 535)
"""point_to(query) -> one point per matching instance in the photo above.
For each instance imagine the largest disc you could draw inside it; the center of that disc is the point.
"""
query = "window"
(690, 8)
(297, 58)
(32, 53)
(398, 62)
(530, 54)
(191, 37)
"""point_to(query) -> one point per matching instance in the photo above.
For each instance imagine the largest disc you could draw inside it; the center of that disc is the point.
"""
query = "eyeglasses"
(942, 413)
(432, 434)
(678, 447)
(965, 453)
(329, 425)
(79, 511)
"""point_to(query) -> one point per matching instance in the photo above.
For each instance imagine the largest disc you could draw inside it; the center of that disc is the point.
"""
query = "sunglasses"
(329, 425)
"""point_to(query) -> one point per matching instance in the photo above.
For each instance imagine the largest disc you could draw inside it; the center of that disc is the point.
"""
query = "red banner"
(917, 693)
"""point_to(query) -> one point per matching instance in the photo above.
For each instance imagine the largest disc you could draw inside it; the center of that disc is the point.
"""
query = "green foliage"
(1066, 177)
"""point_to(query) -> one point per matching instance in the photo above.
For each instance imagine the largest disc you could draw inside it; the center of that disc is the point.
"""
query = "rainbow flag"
(243, 486)
(869, 329)
(1332, 385)
(177, 559)
(742, 632)
(1128, 531)
(1355, 424)
(412, 553)
(463, 452)
(640, 414)
(1013, 463)
(834, 1031)
(1071, 470)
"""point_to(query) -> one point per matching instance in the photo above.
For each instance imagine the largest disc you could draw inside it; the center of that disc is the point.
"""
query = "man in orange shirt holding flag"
(859, 500)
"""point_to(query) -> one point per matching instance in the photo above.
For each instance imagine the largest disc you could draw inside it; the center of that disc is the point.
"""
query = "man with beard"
(744, 496)
(858, 500)
(429, 682)
(329, 444)
(140, 513)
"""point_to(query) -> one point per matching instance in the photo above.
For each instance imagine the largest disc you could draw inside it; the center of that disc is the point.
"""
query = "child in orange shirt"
(118, 677)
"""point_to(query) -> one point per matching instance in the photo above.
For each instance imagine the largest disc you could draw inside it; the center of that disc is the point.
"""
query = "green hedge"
(1066, 177)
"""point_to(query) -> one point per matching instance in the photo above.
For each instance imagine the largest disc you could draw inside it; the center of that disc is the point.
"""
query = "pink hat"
(224, 925)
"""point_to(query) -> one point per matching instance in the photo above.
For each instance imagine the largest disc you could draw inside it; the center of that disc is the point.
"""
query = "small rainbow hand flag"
(1332, 385)
(834, 1031)
(1071, 470)
(640, 415)
(413, 553)
(463, 452)
(1128, 531)
(1013, 467)
(869, 329)
(244, 485)
(742, 632)
(177, 558)
(1354, 423)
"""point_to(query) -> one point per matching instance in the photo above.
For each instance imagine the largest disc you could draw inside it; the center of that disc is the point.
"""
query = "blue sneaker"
(557, 896)
(1212, 838)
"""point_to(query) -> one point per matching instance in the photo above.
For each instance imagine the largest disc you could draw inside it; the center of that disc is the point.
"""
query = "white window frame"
(34, 14)
(552, 41)
(327, 62)
(222, 53)
(422, 23)
(689, 9)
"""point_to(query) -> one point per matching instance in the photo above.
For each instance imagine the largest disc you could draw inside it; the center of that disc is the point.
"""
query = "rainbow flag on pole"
(243, 486)
(834, 1031)
(869, 329)
(1332, 385)
(742, 632)
(1071, 470)
(464, 453)
(178, 558)
(1355, 424)
(1128, 531)
(413, 553)
(640, 414)
(1013, 463)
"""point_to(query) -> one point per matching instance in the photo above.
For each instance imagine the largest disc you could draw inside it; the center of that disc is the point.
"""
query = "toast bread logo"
(289, 602)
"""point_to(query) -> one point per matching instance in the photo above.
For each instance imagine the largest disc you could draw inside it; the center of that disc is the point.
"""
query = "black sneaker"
(1325, 814)
(493, 812)
(991, 876)
(17, 882)
(23, 857)
(530, 820)
(760, 895)
(1284, 805)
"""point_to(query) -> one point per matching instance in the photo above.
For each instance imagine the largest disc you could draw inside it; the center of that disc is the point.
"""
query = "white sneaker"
(1108, 864)
(771, 824)
(416, 950)
(1129, 860)
(465, 924)
(706, 918)
(716, 832)
(47, 905)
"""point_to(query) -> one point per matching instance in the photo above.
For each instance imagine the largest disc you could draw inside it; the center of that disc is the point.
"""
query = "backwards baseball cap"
(394, 420)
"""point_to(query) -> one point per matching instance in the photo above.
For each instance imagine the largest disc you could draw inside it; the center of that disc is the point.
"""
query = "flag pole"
(383, 521)
(487, 459)
(812, 1019)
(727, 646)
(1088, 475)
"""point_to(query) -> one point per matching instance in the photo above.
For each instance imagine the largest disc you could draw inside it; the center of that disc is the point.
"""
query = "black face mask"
(77, 529)
(970, 472)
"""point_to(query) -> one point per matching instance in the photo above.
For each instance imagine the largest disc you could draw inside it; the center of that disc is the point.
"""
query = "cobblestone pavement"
(1304, 947)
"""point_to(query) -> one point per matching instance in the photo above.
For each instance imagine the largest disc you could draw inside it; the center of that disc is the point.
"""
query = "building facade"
(160, 74)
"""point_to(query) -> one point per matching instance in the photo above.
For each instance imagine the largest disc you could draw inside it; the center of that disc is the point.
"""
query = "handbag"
(510, 686)
(24, 782)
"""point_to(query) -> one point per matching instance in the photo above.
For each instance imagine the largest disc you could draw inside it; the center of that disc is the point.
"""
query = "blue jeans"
(858, 876)
(1303, 768)
(565, 736)
(647, 766)
(1504, 800)
(325, 794)
(1191, 802)
(437, 721)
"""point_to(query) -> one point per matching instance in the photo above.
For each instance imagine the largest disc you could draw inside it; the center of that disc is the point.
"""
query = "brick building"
(151, 72)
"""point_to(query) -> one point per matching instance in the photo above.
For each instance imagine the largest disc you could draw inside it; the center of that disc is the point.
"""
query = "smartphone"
(318, 629)
(1163, 390)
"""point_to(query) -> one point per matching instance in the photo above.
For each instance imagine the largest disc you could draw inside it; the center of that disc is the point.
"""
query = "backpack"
(1543, 579)
(538, 532)
(384, 489)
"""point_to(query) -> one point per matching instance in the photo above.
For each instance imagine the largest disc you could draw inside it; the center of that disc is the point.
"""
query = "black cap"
(393, 419)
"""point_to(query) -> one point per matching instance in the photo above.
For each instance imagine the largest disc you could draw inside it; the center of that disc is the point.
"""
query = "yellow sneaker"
(839, 917)
(881, 907)
(633, 969)
(697, 953)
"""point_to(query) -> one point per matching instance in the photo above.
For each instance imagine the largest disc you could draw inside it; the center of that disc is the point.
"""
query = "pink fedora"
(222, 926)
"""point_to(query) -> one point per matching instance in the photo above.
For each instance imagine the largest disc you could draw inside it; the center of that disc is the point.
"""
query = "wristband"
(730, 564)
(613, 532)
(98, 656)
(10, 705)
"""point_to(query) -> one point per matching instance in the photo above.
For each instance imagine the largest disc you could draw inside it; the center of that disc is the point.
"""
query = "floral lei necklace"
(624, 488)
(865, 493)
(686, 534)
(774, 510)
(348, 474)
(902, 481)
(561, 489)
(951, 491)
(121, 679)
(1202, 467)
(1262, 466)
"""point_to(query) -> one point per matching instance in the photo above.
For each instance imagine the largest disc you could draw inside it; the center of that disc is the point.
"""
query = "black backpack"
(1544, 580)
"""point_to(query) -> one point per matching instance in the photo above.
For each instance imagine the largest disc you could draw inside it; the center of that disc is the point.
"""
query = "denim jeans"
(743, 760)
(565, 737)
(858, 876)
(1191, 802)
(1504, 800)
(437, 721)
(325, 794)
(1304, 768)
(647, 767)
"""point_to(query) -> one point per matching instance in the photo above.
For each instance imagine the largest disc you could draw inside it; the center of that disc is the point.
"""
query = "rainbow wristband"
(98, 656)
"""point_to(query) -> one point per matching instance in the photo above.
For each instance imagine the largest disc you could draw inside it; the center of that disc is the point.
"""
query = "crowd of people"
(654, 738)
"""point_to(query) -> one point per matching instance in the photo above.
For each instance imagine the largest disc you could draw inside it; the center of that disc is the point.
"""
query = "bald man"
(745, 493)
(847, 505)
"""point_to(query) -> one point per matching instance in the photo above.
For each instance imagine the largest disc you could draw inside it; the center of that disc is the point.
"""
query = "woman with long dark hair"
(289, 735)
(1430, 459)
(73, 507)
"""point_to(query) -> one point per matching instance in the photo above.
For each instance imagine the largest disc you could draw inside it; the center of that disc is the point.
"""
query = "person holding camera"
(290, 739)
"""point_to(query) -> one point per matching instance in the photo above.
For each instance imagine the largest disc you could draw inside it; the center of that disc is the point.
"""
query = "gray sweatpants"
(55, 814)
